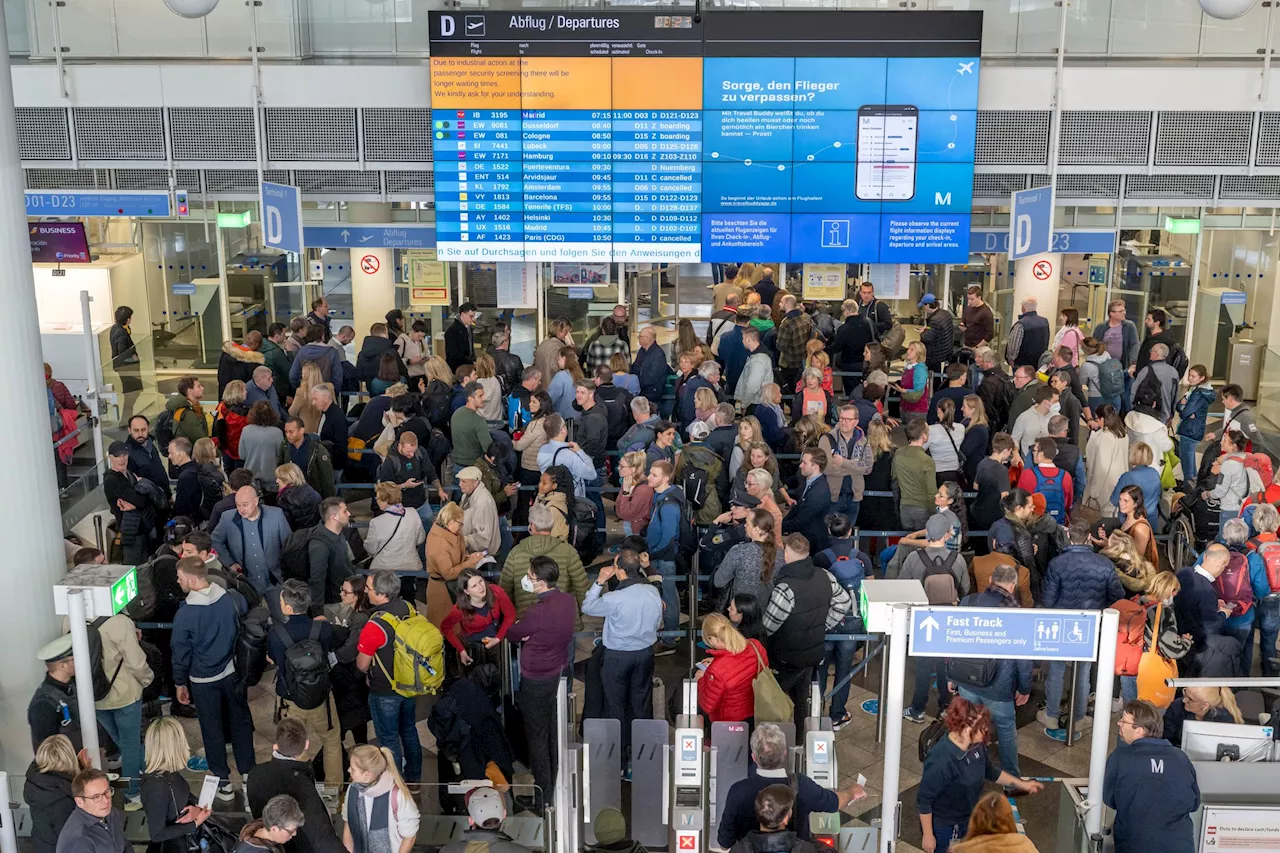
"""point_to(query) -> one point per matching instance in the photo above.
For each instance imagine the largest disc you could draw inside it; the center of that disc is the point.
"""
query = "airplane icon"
(366, 239)
(965, 68)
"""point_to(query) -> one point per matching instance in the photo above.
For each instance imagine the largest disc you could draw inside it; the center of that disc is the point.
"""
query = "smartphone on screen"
(887, 135)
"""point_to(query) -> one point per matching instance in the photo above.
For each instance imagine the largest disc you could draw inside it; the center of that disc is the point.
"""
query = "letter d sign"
(1022, 234)
(275, 226)
(447, 26)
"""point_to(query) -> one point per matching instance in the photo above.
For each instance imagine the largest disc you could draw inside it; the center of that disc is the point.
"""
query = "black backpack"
(295, 560)
(306, 668)
(972, 672)
(696, 483)
(101, 683)
(1178, 359)
(166, 428)
(251, 645)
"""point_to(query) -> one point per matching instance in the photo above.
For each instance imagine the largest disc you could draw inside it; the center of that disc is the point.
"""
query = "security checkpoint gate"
(650, 782)
(688, 775)
(601, 770)
(730, 758)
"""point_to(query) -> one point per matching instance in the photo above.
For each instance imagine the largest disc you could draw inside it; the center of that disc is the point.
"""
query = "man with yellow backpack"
(404, 656)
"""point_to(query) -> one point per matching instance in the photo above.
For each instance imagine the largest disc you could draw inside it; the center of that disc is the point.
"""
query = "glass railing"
(306, 29)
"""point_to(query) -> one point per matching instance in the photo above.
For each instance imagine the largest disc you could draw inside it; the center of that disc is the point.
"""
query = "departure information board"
(641, 137)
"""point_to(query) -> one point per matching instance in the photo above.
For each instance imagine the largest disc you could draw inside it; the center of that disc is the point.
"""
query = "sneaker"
(226, 792)
(664, 649)
(198, 764)
(837, 725)
(133, 804)
(1043, 718)
(1084, 724)
(1061, 735)
(913, 715)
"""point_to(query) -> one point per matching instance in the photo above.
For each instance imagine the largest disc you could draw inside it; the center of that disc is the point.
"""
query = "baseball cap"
(937, 528)
(698, 430)
(117, 448)
(485, 807)
(1002, 537)
(927, 299)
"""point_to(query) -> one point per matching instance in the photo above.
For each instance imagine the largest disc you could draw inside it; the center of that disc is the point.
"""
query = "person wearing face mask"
(380, 813)
(546, 632)
(632, 612)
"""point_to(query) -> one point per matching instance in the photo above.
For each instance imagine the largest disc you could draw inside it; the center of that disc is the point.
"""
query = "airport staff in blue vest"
(1152, 786)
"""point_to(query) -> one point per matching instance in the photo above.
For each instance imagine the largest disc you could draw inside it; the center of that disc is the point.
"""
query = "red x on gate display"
(687, 841)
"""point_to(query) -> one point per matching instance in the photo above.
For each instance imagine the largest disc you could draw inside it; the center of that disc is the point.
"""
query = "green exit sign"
(234, 220)
(124, 590)
(1181, 226)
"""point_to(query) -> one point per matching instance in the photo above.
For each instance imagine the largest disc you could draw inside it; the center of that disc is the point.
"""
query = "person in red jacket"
(724, 679)
(483, 612)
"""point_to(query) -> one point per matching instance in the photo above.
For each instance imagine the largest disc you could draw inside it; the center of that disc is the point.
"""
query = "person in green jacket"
(915, 477)
(275, 357)
(188, 416)
(469, 430)
(540, 543)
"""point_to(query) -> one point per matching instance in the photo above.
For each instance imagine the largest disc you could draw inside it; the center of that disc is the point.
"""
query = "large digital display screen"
(640, 137)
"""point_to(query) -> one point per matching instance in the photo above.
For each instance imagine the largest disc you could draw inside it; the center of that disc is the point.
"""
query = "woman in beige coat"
(993, 830)
(446, 558)
(1106, 458)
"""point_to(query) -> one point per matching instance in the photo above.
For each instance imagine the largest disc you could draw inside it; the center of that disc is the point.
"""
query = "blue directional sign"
(1031, 222)
(282, 217)
(406, 236)
(97, 203)
(1088, 241)
(996, 632)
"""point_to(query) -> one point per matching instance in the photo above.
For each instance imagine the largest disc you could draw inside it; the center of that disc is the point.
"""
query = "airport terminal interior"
(889, 385)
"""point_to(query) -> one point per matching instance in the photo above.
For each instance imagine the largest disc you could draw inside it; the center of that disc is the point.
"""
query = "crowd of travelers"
(759, 471)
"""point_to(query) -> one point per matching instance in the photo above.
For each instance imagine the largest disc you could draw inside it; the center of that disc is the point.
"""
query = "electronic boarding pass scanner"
(820, 766)
(689, 788)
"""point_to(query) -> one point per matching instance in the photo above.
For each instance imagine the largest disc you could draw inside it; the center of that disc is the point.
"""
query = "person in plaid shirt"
(794, 332)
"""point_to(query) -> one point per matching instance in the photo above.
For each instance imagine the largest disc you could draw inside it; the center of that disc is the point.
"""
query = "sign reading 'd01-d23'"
(997, 632)
(98, 203)
(608, 136)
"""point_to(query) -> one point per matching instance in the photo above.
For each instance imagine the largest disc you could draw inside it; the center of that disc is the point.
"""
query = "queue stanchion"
(98, 534)
(1102, 717)
(1071, 703)
(566, 815)
(8, 824)
(891, 715)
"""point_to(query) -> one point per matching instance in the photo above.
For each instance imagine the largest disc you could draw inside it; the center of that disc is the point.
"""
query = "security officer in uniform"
(1152, 786)
(53, 707)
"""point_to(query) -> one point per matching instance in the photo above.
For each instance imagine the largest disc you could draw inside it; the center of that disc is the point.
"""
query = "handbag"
(961, 458)
(772, 704)
(1153, 669)
(1169, 471)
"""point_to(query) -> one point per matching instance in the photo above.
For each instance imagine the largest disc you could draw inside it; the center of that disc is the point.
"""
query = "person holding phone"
(409, 466)
(172, 814)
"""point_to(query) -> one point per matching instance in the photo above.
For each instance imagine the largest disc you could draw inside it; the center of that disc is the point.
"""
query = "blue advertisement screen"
(857, 159)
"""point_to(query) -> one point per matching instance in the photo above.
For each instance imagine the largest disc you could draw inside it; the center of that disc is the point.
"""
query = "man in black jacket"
(809, 514)
(1157, 322)
(371, 350)
(186, 474)
(851, 340)
(133, 502)
(144, 456)
(328, 558)
(459, 338)
(288, 773)
(722, 440)
(874, 313)
(806, 602)
(592, 435)
(616, 402)
(333, 427)
(507, 364)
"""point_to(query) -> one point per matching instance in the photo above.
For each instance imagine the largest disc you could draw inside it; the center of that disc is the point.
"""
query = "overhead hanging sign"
(1004, 632)
(1079, 241)
(282, 217)
(1031, 222)
(410, 235)
(98, 203)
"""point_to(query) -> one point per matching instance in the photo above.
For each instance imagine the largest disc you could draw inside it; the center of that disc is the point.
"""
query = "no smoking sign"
(370, 264)
(1042, 270)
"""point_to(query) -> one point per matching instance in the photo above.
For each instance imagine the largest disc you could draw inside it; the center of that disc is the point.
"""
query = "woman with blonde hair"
(300, 502)
(228, 421)
(992, 829)
(748, 433)
(622, 375)
(879, 513)
(301, 406)
(913, 385)
(437, 391)
(380, 814)
(1132, 568)
(704, 406)
(172, 813)
(47, 790)
(1161, 589)
(634, 503)
(446, 558)
(977, 435)
(487, 376)
(725, 678)
(1208, 704)
(561, 386)
(686, 339)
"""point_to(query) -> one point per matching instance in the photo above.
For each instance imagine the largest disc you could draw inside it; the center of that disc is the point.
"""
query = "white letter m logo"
(1157, 765)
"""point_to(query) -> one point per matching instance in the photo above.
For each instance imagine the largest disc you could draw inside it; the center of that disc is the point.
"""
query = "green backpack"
(418, 665)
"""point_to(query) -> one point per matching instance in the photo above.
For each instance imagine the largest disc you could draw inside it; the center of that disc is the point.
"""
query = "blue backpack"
(1055, 500)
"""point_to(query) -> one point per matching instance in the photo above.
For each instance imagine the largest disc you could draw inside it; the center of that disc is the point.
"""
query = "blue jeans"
(1187, 453)
(847, 505)
(504, 533)
(393, 722)
(1128, 687)
(1055, 689)
(1244, 633)
(944, 833)
(1003, 715)
(840, 652)
(125, 727)
(1095, 402)
(427, 515)
(670, 596)
(1125, 405)
(925, 669)
(1268, 622)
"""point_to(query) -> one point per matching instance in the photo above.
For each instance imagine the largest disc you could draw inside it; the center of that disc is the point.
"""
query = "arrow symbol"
(929, 625)
(345, 235)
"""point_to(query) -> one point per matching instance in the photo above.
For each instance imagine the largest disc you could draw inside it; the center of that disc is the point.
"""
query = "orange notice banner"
(657, 83)
(557, 83)
(474, 83)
